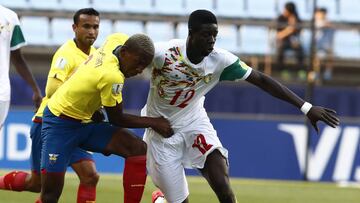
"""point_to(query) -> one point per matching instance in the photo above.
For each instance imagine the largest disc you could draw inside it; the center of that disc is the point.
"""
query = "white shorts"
(187, 148)
(4, 109)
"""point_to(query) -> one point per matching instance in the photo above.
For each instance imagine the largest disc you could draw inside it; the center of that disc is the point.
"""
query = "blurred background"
(267, 138)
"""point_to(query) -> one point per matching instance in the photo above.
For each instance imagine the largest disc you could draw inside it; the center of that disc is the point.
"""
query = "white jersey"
(11, 38)
(178, 86)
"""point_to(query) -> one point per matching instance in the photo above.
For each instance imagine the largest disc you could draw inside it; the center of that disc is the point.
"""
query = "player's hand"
(326, 115)
(163, 127)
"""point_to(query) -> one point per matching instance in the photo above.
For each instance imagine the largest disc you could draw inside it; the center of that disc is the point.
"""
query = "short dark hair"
(200, 17)
(86, 11)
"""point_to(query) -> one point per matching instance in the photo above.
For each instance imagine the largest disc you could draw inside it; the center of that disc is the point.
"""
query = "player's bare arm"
(276, 89)
(119, 118)
(24, 71)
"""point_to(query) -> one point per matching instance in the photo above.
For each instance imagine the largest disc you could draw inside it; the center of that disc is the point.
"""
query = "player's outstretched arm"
(24, 71)
(118, 118)
(276, 89)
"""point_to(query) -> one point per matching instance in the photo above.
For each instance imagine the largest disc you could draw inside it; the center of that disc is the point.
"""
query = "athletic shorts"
(62, 137)
(187, 148)
(4, 109)
(35, 135)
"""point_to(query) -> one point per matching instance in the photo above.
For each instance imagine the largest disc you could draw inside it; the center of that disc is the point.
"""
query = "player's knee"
(139, 149)
(89, 178)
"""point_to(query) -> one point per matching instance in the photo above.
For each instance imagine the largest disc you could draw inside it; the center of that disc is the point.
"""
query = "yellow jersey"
(64, 63)
(97, 82)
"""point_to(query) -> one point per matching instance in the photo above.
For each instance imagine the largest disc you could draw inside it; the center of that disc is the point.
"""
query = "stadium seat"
(170, 7)
(129, 27)
(106, 28)
(138, 6)
(227, 38)
(36, 30)
(347, 43)
(14, 3)
(230, 8)
(349, 10)
(61, 30)
(75, 5)
(261, 9)
(160, 31)
(107, 5)
(254, 40)
(44, 4)
(192, 5)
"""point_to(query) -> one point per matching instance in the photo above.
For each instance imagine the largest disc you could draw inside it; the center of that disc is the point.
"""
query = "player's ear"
(124, 50)
(74, 27)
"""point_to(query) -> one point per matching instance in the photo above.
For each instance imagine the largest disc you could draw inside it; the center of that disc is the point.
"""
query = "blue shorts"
(35, 135)
(61, 137)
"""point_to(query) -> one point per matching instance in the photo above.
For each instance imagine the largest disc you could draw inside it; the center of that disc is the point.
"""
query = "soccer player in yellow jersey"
(67, 118)
(65, 61)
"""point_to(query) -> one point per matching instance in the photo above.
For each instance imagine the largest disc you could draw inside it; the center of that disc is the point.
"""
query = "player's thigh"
(4, 109)
(171, 180)
(83, 164)
(109, 139)
(36, 145)
(201, 140)
(216, 172)
(59, 138)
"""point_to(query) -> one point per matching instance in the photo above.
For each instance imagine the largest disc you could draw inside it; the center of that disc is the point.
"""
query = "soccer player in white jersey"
(11, 40)
(183, 72)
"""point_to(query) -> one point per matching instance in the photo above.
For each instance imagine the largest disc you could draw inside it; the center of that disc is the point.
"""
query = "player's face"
(204, 39)
(134, 63)
(87, 29)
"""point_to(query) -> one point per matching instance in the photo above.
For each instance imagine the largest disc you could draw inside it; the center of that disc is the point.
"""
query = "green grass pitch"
(109, 190)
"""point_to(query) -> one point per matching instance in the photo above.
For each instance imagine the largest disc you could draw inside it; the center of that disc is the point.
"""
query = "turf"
(247, 191)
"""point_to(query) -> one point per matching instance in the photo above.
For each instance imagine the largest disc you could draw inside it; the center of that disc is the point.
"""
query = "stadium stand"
(246, 27)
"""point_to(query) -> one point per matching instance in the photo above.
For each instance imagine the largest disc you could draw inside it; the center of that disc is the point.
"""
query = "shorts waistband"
(69, 118)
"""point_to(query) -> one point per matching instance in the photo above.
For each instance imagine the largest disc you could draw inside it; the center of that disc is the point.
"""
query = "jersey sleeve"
(17, 38)
(61, 67)
(110, 87)
(236, 71)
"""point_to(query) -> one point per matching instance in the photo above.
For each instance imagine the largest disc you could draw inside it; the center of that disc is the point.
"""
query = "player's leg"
(110, 140)
(165, 166)
(83, 164)
(60, 138)
(216, 172)
(21, 180)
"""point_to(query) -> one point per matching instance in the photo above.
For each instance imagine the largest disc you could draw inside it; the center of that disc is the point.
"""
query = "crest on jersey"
(60, 63)
(117, 88)
(53, 158)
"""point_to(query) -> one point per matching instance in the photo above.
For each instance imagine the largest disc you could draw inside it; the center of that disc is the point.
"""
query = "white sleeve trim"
(18, 46)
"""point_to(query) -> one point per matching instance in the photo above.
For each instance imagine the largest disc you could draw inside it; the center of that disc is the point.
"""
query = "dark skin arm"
(279, 91)
(24, 71)
(118, 118)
